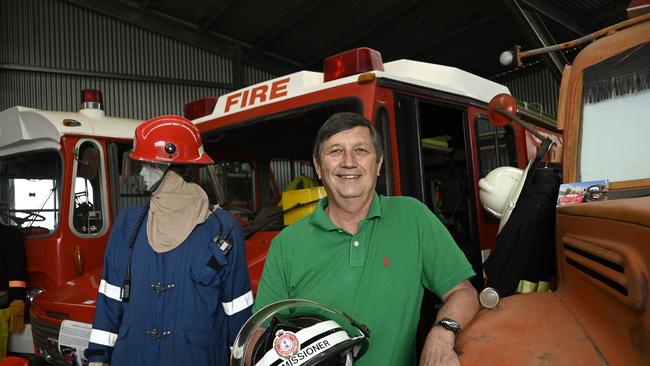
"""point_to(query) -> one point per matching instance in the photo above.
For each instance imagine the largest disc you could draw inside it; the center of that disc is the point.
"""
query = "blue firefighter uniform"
(186, 305)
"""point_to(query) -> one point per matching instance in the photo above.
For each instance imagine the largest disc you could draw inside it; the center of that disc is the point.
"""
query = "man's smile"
(348, 176)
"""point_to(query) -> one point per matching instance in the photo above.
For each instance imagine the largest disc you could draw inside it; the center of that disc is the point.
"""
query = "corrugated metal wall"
(50, 50)
(285, 171)
(123, 98)
(254, 75)
(537, 88)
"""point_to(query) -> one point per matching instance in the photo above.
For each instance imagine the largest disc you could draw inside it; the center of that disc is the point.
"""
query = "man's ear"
(381, 160)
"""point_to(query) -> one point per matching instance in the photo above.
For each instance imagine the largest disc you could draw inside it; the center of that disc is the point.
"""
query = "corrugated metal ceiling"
(286, 35)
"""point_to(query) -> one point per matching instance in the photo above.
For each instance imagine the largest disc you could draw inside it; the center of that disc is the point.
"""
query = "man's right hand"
(439, 348)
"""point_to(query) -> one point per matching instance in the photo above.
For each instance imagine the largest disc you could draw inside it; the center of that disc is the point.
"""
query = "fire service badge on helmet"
(286, 343)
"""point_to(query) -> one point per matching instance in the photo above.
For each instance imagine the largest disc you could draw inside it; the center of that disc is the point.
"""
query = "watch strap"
(449, 324)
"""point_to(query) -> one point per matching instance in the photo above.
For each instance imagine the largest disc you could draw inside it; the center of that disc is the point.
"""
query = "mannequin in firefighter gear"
(523, 258)
(13, 282)
(175, 288)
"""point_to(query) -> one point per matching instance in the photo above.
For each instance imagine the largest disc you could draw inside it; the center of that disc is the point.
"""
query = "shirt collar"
(320, 218)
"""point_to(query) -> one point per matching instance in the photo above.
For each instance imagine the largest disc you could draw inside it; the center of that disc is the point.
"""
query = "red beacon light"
(352, 62)
(199, 108)
(91, 99)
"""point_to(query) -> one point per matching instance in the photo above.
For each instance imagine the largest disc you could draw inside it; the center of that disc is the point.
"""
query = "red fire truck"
(59, 182)
(432, 119)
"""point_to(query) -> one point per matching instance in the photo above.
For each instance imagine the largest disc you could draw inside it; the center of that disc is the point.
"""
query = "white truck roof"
(25, 129)
(431, 76)
(444, 78)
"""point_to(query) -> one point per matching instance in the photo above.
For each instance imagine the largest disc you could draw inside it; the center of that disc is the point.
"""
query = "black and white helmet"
(299, 333)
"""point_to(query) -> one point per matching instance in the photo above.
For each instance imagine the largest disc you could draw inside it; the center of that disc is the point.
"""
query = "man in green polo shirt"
(371, 256)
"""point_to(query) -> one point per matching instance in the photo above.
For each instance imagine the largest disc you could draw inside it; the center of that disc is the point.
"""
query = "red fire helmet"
(169, 139)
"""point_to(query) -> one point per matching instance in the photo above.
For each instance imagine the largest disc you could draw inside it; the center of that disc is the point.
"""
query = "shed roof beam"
(286, 22)
(412, 50)
(369, 25)
(213, 14)
(568, 19)
(175, 28)
(145, 4)
(539, 36)
(609, 15)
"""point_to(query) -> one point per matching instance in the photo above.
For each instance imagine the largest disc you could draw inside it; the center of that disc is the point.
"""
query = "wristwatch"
(449, 324)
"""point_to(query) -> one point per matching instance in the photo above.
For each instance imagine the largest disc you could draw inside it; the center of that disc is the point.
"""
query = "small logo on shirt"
(286, 343)
(385, 261)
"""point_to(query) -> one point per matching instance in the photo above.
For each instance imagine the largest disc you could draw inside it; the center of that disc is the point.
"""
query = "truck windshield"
(259, 160)
(229, 184)
(30, 191)
(614, 137)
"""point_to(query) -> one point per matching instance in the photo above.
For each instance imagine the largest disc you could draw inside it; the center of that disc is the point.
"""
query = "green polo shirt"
(376, 276)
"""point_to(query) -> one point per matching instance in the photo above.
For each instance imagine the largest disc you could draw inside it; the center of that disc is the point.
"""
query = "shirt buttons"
(356, 243)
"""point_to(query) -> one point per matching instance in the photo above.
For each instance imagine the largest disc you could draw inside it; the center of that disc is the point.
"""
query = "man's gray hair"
(344, 121)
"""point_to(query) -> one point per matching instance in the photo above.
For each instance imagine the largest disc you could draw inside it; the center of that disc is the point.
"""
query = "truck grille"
(601, 266)
(46, 337)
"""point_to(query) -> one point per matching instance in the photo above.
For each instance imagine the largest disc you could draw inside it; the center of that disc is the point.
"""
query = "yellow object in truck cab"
(300, 197)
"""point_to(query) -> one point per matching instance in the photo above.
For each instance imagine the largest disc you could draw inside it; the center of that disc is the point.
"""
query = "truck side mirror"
(502, 109)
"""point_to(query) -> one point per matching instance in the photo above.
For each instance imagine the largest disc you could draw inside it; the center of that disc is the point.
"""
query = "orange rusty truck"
(598, 314)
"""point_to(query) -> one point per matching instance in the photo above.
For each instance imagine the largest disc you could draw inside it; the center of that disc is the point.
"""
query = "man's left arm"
(460, 304)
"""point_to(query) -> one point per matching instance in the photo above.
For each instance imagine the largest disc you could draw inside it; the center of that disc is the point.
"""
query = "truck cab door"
(492, 147)
(435, 166)
(88, 219)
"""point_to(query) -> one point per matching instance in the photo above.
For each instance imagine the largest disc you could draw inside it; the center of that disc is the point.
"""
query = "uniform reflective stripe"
(238, 304)
(109, 290)
(22, 284)
(103, 337)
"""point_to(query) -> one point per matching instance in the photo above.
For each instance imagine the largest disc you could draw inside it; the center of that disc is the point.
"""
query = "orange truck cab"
(598, 315)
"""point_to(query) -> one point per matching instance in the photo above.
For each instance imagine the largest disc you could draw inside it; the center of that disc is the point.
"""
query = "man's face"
(348, 165)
